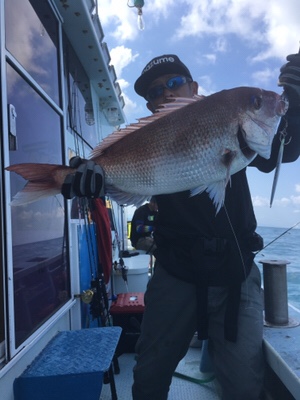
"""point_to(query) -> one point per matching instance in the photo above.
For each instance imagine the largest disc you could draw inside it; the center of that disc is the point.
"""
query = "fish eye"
(257, 102)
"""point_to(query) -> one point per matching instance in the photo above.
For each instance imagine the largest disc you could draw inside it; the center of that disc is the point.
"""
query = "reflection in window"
(41, 275)
(2, 330)
(81, 114)
(32, 37)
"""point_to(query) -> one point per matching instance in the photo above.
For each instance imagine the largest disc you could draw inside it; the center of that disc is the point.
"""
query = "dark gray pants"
(169, 324)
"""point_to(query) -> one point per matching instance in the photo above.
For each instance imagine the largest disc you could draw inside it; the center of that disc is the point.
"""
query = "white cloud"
(282, 28)
(263, 77)
(259, 201)
(283, 202)
(121, 57)
(295, 200)
(221, 45)
(269, 30)
(206, 85)
(159, 9)
(256, 22)
(131, 108)
(123, 84)
(297, 187)
(222, 17)
(119, 19)
(210, 57)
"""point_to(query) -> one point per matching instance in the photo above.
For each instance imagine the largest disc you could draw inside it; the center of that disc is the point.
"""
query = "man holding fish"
(205, 279)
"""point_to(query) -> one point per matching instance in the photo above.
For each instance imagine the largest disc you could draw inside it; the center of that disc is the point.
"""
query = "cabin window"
(32, 38)
(2, 313)
(40, 268)
(81, 115)
(50, 102)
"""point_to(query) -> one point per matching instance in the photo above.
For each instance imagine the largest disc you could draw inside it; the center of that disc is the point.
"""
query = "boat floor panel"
(181, 388)
(282, 348)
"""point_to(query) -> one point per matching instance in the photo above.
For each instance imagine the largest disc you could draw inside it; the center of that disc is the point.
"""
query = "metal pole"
(275, 292)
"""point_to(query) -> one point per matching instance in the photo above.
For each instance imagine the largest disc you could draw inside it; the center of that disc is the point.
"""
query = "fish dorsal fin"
(164, 109)
(176, 103)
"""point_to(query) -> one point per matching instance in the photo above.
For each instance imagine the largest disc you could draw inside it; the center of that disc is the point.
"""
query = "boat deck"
(282, 349)
(181, 388)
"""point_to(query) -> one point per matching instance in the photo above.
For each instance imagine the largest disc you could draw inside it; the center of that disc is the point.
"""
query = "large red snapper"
(188, 145)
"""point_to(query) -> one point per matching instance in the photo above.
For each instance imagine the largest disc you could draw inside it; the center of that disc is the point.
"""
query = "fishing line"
(239, 249)
(236, 240)
(274, 240)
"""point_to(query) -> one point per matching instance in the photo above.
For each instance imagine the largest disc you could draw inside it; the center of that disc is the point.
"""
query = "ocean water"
(286, 247)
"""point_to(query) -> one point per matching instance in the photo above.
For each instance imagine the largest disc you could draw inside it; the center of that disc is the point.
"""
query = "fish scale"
(172, 145)
(186, 145)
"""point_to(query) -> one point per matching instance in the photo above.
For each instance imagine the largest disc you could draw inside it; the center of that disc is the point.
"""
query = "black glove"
(88, 180)
(289, 78)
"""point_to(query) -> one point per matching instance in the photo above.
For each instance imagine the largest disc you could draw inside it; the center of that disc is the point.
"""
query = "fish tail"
(44, 180)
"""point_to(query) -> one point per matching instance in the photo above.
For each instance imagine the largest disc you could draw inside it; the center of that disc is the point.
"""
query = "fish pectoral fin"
(216, 192)
(198, 190)
(124, 198)
(227, 158)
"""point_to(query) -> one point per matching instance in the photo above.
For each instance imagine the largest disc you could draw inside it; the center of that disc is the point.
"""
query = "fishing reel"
(120, 266)
(87, 296)
(96, 298)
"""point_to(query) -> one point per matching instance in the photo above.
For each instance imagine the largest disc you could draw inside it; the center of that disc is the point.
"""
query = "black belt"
(212, 246)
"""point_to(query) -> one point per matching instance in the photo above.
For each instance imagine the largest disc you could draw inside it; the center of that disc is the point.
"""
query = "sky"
(225, 44)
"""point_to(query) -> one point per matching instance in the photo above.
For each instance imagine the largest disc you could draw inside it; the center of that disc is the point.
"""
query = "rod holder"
(275, 293)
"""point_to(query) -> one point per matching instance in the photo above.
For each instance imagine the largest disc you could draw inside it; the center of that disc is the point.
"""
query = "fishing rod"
(121, 264)
(282, 234)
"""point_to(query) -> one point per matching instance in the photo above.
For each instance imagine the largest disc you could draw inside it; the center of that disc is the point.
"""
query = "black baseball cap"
(161, 65)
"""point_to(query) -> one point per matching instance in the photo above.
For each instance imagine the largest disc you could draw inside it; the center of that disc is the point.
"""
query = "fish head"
(260, 120)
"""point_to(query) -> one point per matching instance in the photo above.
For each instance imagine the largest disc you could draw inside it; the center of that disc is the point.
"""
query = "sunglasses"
(172, 84)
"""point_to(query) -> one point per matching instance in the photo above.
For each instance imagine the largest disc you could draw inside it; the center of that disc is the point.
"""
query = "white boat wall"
(59, 98)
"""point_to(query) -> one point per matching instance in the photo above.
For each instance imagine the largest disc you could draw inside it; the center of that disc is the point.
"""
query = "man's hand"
(88, 180)
(289, 78)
